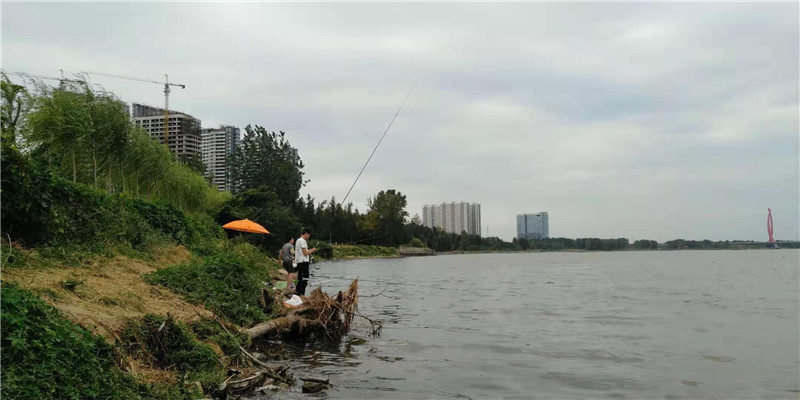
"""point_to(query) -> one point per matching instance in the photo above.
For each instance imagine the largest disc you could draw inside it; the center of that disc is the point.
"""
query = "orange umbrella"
(245, 225)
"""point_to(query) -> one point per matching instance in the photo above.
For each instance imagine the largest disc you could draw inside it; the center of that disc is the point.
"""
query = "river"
(615, 325)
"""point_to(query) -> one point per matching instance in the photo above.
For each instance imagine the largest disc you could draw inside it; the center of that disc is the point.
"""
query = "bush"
(324, 250)
(166, 343)
(208, 329)
(45, 356)
(263, 207)
(416, 242)
(161, 216)
(43, 209)
(224, 283)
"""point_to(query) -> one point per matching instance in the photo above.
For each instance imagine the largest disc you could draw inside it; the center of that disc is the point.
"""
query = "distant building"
(453, 217)
(533, 226)
(183, 131)
(217, 145)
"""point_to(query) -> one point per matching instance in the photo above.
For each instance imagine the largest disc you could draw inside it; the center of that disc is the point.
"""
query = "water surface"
(619, 325)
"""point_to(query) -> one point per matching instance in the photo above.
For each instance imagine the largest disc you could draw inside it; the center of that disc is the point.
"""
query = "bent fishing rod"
(384, 135)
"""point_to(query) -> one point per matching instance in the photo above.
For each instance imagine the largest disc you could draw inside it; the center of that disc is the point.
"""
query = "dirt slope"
(107, 292)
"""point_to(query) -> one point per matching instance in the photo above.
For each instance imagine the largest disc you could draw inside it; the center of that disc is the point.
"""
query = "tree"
(262, 206)
(267, 159)
(194, 162)
(76, 131)
(60, 126)
(387, 216)
(16, 102)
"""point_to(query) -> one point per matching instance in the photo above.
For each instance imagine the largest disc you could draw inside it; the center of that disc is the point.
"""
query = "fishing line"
(384, 135)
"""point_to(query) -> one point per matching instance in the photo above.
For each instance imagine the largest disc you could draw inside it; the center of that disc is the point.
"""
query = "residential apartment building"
(183, 130)
(217, 145)
(453, 217)
(533, 226)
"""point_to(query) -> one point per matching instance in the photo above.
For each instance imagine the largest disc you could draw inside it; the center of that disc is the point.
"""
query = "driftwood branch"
(316, 380)
(272, 325)
(248, 379)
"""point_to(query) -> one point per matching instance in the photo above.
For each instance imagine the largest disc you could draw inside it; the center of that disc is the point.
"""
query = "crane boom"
(167, 90)
(44, 77)
(136, 79)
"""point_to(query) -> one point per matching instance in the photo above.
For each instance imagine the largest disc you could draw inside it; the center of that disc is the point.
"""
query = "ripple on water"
(592, 382)
(588, 354)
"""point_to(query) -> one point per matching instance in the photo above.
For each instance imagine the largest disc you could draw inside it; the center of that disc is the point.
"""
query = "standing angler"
(287, 258)
(302, 256)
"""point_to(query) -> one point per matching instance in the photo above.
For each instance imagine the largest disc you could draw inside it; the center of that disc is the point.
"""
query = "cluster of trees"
(85, 134)
(572, 244)
(683, 244)
(645, 244)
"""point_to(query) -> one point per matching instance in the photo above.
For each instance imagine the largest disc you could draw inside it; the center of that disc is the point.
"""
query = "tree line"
(85, 135)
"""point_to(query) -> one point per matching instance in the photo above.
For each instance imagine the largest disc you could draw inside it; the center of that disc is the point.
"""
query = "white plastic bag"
(295, 301)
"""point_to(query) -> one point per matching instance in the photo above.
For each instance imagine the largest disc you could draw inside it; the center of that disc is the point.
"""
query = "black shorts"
(288, 266)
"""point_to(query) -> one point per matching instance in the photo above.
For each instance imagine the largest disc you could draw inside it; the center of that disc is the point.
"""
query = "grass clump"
(209, 330)
(226, 283)
(44, 356)
(71, 284)
(165, 343)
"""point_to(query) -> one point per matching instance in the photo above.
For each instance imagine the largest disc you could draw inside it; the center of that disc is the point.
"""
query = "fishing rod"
(384, 135)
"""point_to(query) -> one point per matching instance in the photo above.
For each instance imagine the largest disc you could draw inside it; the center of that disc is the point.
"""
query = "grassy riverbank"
(351, 252)
(107, 296)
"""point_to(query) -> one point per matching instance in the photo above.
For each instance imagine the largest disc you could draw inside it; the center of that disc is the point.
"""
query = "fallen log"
(272, 326)
(319, 313)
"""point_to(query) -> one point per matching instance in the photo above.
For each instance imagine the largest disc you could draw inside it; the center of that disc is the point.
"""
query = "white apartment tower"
(453, 217)
(217, 145)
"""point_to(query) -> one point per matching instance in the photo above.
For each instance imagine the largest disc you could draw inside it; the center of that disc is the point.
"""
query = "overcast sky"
(634, 120)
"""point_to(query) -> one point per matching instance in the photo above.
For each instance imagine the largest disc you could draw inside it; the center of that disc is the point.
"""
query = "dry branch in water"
(319, 313)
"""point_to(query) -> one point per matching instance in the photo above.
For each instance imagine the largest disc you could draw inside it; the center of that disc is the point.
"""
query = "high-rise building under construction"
(183, 130)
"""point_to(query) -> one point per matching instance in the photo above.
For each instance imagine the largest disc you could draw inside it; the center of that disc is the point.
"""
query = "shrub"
(324, 250)
(416, 242)
(224, 283)
(208, 329)
(264, 207)
(166, 343)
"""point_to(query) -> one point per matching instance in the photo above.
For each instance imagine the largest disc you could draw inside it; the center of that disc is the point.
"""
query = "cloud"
(622, 120)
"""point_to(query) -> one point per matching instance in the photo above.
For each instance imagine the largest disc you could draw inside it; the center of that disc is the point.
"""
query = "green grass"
(346, 251)
(44, 356)
(228, 283)
(168, 344)
(209, 330)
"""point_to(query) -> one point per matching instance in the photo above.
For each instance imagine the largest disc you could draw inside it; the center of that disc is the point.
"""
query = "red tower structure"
(769, 228)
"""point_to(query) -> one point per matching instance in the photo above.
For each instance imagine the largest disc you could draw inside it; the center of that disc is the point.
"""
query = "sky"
(636, 120)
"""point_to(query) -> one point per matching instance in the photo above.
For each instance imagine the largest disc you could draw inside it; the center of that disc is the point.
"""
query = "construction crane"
(167, 90)
(23, 74)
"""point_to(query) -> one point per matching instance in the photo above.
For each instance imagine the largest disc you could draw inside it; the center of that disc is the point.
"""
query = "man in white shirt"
(302, 256)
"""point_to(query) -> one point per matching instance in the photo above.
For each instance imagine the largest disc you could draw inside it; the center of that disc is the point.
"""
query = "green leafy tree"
(77, 131)
(194, 162)
(16, 102)
(267, 159)
(60, 126)
(262, 206)
(387, 216)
